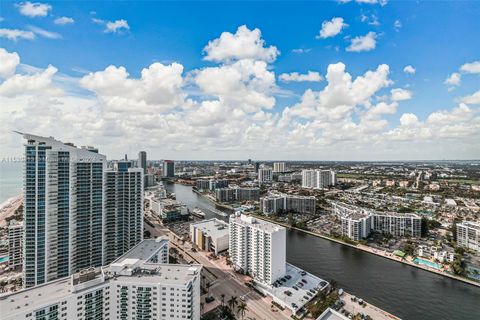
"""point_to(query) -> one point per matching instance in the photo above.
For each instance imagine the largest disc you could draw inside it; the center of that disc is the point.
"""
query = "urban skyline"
(408, 86)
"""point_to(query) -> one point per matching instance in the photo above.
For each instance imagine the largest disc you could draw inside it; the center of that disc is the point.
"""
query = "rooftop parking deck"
(295, 292)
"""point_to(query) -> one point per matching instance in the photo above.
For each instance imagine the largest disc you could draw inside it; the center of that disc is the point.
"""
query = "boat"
(198, 213)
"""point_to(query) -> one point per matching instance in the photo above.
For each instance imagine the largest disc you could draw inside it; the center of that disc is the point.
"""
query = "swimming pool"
(4, 259)
(427, 263)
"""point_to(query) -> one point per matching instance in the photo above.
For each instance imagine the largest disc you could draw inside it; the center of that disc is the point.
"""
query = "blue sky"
(436, 38)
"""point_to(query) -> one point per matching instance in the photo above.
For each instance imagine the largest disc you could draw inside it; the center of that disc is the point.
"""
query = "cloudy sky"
(326, 80)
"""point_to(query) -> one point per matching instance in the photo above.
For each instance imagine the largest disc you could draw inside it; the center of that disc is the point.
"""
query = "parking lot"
(295, 292)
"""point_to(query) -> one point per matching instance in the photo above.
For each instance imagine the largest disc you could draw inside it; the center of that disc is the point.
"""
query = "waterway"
(402, 290)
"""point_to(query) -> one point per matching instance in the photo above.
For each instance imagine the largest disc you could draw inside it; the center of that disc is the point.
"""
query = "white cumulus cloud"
(9, 63)
(363, 43)
(64, 20)
(472, 99)
(400, 94)
(454, 79)
(331, 28)
(244, 44)
(472, 67)
(298, 77)
(409, 69)
(116, 26)
(34, 9)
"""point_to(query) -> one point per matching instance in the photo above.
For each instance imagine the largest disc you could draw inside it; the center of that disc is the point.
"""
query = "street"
(223, 279)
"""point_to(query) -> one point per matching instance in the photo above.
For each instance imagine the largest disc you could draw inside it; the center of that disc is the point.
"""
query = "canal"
(402, 290)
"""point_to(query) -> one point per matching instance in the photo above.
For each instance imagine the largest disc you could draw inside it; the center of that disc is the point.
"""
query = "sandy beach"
(8, 208)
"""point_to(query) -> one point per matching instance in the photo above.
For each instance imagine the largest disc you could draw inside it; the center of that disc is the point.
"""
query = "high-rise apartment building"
(279, 167)
(237, 194)
(15, 244)
(318, 179)
(468, 235)
(138, 285)
(168, 169)
(65, 209)
(277, 202)
(357, 223)
(123, 214)
(257, 247)
(142, 161)
(265, 175)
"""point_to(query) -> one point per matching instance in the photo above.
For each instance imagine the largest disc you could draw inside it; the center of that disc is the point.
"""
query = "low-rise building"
(210, 235)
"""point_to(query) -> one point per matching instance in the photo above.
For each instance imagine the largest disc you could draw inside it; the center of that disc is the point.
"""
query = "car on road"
(295, 287)
(304, 281)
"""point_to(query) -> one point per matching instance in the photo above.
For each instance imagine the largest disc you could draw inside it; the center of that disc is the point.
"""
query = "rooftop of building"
(276, 195)
(214, 228)
(470, 224)
(144, 250)
(88, 152)
(330, 314)
(245, 220)
(144, 272)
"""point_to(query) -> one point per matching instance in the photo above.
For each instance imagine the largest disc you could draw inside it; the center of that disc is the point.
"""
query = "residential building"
(279, 167)
(468, 235)
(280, 202)
(168, 169)
(210, 235)
(135, 286)
(142, 161)
(63, 209)
(356, 227)
(265, 175)
(202, 185)
(15, 244)
(357, 223)
(123, 211)
(257, 247)
(77, 212)
(318, 179)
(237, 194)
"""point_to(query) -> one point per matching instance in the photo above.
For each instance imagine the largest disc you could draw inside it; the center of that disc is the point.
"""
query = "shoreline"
(376, 253)
(225, 206)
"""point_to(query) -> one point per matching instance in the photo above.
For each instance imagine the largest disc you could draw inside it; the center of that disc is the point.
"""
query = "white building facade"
(130, 288)
(265, 175)
(210, 235)
(279, 167)
(318, 179)
(468, 235)
(257, 247)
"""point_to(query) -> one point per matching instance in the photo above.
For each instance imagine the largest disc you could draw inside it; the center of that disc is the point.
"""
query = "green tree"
(232, 302)
(242, 309)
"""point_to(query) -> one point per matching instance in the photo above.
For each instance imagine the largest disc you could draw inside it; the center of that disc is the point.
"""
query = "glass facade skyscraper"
(77, 213)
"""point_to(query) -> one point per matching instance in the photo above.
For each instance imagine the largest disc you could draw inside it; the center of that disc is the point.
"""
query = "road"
(223, 279)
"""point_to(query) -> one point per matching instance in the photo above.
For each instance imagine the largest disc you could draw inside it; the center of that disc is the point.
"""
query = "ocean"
(10, 180)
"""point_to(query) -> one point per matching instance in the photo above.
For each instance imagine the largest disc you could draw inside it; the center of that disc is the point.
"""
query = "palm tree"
(242, 309)
(207, 287)
(232, 302)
